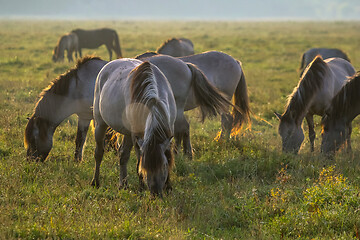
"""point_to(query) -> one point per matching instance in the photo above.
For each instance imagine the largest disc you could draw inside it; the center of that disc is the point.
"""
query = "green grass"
(238, 189)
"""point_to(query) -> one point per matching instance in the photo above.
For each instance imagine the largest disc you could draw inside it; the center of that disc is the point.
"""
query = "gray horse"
(70, 93)
(135, 99)
(325, 53)
(321, 80)
(68, 42)
(176, 47)
(224, 73)
(336, 123)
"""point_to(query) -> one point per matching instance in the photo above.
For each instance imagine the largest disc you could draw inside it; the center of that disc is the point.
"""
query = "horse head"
(55, 54)
(38, 138)
(156, 160)
(333, 134)
(291, 133)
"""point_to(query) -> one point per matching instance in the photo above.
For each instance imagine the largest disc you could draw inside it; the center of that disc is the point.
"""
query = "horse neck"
(309, 86)
(55, 108)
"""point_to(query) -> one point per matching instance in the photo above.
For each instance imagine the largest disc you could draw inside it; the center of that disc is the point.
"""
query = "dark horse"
(336, 123)
(97, 37)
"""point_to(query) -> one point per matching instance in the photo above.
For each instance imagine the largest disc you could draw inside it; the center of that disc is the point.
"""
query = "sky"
(323, 10)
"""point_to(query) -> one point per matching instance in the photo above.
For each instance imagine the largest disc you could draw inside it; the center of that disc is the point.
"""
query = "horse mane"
(60, 85)
(346, 98)
(146, 55)
(157, 129)
(165, 43)
(309, 84)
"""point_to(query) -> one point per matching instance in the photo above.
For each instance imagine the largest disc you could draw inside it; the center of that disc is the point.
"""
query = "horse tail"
(210, 100)
(116, 45)
(241, 110)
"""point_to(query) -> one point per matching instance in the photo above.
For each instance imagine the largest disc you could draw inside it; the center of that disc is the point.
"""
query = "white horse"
(321, 81)
(71, 93)
(336, 123)
(135, 99)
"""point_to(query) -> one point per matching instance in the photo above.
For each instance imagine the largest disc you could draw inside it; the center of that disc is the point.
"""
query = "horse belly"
(112, 109)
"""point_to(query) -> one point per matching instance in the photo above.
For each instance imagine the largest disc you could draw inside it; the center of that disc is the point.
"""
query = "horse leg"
(348, 138)
(80, 53)
(124, 153)
(178, 139)
(109, 50)
(182, 135)
(83, 126)
(186, 141)
(100, 130)
(312, 134)
(141, 178)
(69, 56)
(226, 125)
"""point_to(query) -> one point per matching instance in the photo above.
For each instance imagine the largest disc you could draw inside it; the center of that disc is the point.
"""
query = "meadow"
(244, 188)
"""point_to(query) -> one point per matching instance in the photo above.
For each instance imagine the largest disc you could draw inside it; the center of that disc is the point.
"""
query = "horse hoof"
(95, 183)
(123, 185)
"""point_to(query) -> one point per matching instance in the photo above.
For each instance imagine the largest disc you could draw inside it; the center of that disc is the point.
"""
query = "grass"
(237, 189)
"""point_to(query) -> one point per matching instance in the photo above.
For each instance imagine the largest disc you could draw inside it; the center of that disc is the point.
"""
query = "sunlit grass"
(236, 189)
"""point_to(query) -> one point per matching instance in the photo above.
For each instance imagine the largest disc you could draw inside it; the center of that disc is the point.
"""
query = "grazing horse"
(187, 79)
(336, 123)
(95, 38)
(224, 73)
(72, 92)
(325, 53)
(321, 80)
(135, 99)
(68, 42)
(176, 47)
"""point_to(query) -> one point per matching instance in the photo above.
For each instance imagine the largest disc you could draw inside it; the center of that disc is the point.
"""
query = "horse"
(325, 53)
(135, 99)
(321, 80)
(176, 47)
(225, 74)
(97, 37)
(72, 92)
(187, 79)
(68, 42)
(336, 123)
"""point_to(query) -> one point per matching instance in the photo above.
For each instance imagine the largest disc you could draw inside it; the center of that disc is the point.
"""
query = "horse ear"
(278, 115)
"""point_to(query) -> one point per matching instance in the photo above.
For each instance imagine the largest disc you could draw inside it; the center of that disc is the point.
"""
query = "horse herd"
(144, 99)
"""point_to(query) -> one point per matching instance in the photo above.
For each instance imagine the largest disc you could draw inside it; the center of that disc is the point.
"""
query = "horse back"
(94, 38)
(337, 75)
(222, 70)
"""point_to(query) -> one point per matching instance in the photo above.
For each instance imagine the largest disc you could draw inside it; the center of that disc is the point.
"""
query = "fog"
(183, 9)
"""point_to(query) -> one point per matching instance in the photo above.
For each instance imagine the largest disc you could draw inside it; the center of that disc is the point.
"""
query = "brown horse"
(97, 37)
(68, 42)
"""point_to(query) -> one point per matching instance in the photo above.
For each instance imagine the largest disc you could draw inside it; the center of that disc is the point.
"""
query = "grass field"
(245, 188)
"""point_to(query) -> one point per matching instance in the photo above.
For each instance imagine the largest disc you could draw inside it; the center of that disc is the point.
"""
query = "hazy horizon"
(323, 10)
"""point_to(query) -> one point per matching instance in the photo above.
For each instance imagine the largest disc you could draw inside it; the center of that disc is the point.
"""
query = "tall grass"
(236, 189)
